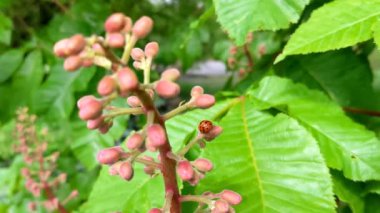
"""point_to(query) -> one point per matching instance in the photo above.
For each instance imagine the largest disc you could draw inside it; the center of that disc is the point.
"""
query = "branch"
(362, 111)
(248, 55)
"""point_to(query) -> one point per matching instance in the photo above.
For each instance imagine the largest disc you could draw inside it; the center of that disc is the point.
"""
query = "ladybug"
(205, 126)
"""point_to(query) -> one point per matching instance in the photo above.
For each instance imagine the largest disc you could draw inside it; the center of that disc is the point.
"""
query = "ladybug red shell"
(205, 126)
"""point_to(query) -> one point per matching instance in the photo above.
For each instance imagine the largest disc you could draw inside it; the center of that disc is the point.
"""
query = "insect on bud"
(60, 48)
(171, 74)
(137, 54)
(185, 170)
(126, 171)
(109, 156)
(135, 141)
(127, 80)
(115, 40)
(142, 27)
(72, 63)
(203, 165)
(115, 23)
(204, 101)
(231, 197)
(167, 89)
(151, 49)
(76, 44)
(106, 86)
(156, 135)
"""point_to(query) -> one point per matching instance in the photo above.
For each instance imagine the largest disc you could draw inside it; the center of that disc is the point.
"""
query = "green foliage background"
(293, 139)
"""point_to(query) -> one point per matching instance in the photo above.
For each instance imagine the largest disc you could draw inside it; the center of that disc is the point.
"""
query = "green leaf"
(239, 17)
(344, 77)
(111, 193)
(7, 139)
(372, 204)
(273, 162)
(373, 187)
(9, 62)
(182, 127)
(338, 24)
(346, 145)
(376, 33)
(348, 191)
(6, 27)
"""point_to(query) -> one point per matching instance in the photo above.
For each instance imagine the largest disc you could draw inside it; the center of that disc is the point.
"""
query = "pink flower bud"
(106, 86)
(115, 40)
(25, 172)
(62, 177)
(156, 135)
(151, 49)
(72, 63)
(149, 146)
(203, 165)
(115, 23)
(196, 91)
(196, 178)
(126, 171)
(221, 206)
(171, 74)
(114, 169)
(137, 54)
(204, 101)
(138, 65)
(92, 110)
(149, 170)
(128, 25)
(231, 197)
(142, 27)
(109, 156)
(215, 132)
(167, 89)
(95, 123)
(262, 49)
(135, 141)
(32, 206)
(76, 44)
(185, 170)
(133, 101)
(60, 48)
(87, 62)
(155, 210)
(83, 101)
(127, 80)
(98, 49)
(105, 127)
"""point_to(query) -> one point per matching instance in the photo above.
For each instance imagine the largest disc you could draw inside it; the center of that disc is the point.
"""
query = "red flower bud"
(115, 23)
(115, 40)
(92, 110)
(95, 123)
(105, 127)
(155, 210)
(126, 171)
(215, 131)
(109, 156)
(151, 49)
(231, 197)
(127, 80)
(185, 170)
(149, 146)
(60, 48)
(167, 89)
(204, 101)
(135, 141)
(196, 91)
(156, 135)
(106, 86)
(137, 54)
(171, 74)
(142, 27)
(72, 63)
(203, 165)
(84, 100)
(133, 101)
(76, 44)
(220, 206)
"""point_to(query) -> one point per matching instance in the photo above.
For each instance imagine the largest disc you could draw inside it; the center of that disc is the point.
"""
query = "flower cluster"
(122, 82)
(39, 167)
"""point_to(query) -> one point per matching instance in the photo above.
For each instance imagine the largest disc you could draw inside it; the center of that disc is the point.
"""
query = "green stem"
(126, 111)
(195, 198)
(188, 146)
(177, 111)
(129, 44)
(147, 66)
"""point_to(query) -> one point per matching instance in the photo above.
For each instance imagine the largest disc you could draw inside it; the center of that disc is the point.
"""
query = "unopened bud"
(115, 40)
(204, 101)
(149, 146)
(106, 86)
(203, 165)
(32, 206)
(60, 48)
(95, 123)
(155, 210)
(83, 101)
(115, 23)
(76, 44)
(231, 197)
(133, 101)
(135, 141)
(151, 49)
(114, 169)
(167, 89)
(221, 206)
(109, 156)
(25, 172)
(171, 74)
(127, 80)
(105, 127)
(92, 110)
(87, 62)
(72, 63)
(98, 49)
(128, 25)
(138, 65)
(185, 170)
(126, 171)
(196, 91)
(142, 27)
(137, 54)
(156, 135)
(215, 132)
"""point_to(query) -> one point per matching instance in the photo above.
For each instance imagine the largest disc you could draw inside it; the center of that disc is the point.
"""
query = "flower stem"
(130, 43)
(188, 146)
(177, 111)
(195, 198)
(147, 65)
(137, 110)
